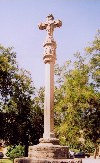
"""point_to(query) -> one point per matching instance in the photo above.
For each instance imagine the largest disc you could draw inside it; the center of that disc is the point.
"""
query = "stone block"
(48, 151)
(31, 160)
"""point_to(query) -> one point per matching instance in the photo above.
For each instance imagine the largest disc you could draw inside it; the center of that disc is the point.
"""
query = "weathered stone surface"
(54, 141)
(48, 151)
(31, 160)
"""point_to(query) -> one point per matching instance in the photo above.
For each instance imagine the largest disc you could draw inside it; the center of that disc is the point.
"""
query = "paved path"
(90, 160)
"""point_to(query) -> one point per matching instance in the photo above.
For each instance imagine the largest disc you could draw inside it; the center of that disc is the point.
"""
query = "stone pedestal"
(48, 149)
(46, 152)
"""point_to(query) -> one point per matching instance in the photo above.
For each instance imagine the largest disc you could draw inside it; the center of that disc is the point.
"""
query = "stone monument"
(48, 150)
(49, 147)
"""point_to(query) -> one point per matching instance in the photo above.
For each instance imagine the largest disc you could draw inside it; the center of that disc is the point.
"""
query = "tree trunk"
(96, 151)
(26, 150)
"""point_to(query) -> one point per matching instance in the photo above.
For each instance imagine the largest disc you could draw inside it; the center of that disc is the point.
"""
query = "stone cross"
(49, 57)
(49, 148)
(49, 25)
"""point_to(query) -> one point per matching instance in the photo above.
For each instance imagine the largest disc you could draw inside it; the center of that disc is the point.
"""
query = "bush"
(15, 151)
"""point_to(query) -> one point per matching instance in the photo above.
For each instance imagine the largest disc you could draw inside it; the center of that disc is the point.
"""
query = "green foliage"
(8, 67)
(70, 107)
(92, 114)
(15, 151)
(93, 51)
(19, 111)
(77, 100)
(88, 146)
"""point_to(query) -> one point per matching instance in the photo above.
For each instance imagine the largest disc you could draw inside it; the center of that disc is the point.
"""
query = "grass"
(6, 161)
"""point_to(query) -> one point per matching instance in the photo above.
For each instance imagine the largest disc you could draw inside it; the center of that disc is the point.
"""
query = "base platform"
(31, 160)
(47, 151)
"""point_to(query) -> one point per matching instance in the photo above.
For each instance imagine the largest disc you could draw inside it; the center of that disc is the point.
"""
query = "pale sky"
(19, 21)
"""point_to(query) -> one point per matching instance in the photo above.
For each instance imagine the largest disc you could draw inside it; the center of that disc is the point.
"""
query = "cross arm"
(42, 26)
(58, 23)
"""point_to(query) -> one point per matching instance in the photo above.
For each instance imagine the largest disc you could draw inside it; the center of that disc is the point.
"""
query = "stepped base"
(31, 160)
(47, 151)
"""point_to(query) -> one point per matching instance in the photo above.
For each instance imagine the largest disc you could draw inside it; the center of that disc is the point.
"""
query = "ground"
(90, 160)
(6, 161)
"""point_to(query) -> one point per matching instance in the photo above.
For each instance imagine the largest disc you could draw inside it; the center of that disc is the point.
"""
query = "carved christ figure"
(49, 25)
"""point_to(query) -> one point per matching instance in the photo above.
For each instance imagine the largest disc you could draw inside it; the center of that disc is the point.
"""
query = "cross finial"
(50, 17)
(49, 25)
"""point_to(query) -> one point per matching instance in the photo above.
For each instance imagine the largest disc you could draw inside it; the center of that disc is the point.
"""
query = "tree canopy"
(77, 111)
(19, 111)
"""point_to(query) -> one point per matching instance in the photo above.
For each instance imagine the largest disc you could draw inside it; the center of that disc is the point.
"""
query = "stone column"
(49, 101)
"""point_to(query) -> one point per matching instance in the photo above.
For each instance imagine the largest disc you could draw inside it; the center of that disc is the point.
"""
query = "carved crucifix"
(49, 25)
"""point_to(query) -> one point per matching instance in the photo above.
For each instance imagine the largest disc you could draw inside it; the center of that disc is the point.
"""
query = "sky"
(19, 21)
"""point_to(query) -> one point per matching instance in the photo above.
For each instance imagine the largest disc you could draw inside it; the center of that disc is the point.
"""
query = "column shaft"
(49, 101)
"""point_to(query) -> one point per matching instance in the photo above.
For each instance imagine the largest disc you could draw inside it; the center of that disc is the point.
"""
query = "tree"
(93, 114)
(8, 67)
(71, 103)
(19, 110)
(93, 51)
(77, 107)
